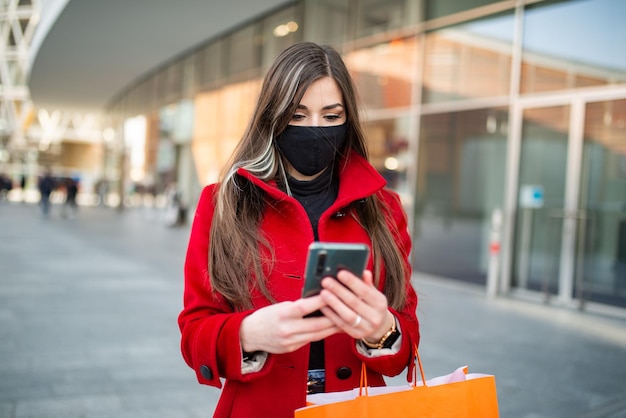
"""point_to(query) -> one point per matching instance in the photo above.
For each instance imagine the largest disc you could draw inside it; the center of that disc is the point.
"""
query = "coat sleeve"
(407, 316)
(209, 327)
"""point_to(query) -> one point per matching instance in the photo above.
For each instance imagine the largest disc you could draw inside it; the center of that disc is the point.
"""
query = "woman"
(299, 174)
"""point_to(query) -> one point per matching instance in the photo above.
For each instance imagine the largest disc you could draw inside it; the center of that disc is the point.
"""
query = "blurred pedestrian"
(6, 185)
(300, 173)
(175, 212)
(70, 208)
(23, 183)
(46, 187)
(102, 189)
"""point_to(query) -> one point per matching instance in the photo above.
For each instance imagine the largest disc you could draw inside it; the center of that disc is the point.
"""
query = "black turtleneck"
(316, 196)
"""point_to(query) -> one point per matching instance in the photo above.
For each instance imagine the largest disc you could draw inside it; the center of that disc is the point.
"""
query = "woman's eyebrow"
(327, 107)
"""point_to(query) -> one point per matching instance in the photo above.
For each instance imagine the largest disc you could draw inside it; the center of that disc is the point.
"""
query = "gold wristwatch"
(387, 340)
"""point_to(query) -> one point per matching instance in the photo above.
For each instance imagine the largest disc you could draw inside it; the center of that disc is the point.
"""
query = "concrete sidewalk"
(88, 328)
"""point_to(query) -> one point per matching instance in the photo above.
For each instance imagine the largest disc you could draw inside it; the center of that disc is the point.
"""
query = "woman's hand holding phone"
(283, 328)
(348, 298)
(334, 300)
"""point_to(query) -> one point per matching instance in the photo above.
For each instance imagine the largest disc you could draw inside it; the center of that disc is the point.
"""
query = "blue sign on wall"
(531, 196)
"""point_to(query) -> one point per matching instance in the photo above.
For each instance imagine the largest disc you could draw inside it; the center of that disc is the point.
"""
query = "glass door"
(537, 245)
(601, 238)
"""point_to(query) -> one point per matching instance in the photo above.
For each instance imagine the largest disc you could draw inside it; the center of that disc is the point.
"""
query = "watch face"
(391, 339)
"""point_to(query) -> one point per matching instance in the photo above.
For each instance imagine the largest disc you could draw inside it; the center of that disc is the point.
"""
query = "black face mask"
(310, 149)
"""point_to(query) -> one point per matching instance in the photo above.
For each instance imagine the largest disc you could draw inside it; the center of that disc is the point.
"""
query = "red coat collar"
(357, 180)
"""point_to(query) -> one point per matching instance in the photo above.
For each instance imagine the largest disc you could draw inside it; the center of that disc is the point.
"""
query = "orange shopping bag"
(457, 395)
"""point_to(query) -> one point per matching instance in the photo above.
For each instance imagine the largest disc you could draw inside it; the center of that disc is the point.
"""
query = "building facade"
(31, 138)
(502, 124)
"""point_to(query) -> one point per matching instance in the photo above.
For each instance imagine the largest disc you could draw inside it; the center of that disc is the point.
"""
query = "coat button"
(344, 373)
(206, 372)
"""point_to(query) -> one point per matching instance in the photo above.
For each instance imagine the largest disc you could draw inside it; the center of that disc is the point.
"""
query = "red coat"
(210, 329)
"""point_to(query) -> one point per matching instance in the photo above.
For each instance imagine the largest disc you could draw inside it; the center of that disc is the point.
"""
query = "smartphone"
(328, 258)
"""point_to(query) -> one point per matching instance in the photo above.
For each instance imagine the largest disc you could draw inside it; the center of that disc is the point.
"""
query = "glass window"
(160, 81)
(379, 16)
(140, 97)
(209, 65)
(327, 22)
(460, 182)
(153, 136)
(167, 148)
(145, 95)
(601, 250)
(169, 83)
(469, 61)
(440, 8)
(174, 79)
(385, 74)
(573, 44)
(388, 148)
(243, 53)
(539, 224)
(280, 30)
(188, 74)
(205, 145)
(220, 118)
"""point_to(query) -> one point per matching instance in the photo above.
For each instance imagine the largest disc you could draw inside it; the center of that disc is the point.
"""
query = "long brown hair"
(235, 264)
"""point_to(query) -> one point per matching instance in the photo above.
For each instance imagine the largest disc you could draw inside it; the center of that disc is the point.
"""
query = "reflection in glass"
(602, 235)
(242, 53)
(220, 119)
(388, 148)
(279, 30)
(538, 230)
(460, 183)
(573, 44)
(379, 16)
(385, 74)
(209, 65)
(439, 8)
(327, 22)
(469, 61)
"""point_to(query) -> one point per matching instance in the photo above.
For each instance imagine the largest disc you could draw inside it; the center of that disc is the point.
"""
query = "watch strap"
(387, 340)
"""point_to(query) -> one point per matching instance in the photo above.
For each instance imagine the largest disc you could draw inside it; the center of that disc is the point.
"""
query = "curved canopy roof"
(85, 52)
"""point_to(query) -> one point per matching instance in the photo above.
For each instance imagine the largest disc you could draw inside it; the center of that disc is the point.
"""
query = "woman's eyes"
(330, 117)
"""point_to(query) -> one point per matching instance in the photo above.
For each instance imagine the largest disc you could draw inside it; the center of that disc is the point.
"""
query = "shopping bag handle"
(419, 363)
(363, 382)
(363, 388)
